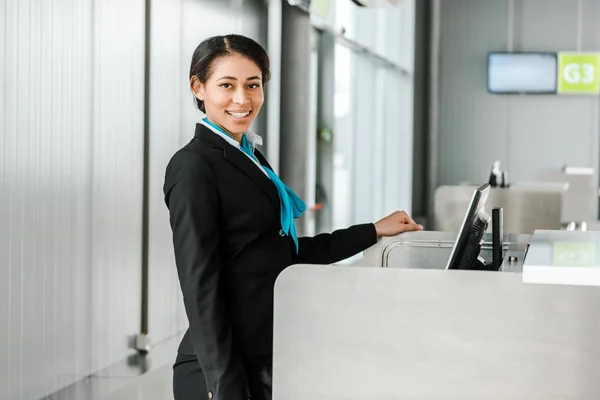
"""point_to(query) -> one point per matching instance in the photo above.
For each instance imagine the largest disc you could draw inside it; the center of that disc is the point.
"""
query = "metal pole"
(142, 344)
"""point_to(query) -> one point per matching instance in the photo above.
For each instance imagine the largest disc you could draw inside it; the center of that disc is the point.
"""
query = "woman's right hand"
(396, 223)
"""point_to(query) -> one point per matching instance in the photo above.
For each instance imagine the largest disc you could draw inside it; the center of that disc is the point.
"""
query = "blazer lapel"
(242, 162)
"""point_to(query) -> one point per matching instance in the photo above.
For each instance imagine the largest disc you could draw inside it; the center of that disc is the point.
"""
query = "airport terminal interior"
(479, 118)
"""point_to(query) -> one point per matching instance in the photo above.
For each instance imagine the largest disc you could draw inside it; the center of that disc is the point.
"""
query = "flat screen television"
(532, 73)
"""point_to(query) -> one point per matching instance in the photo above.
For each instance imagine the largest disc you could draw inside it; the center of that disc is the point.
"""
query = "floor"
(137, 378)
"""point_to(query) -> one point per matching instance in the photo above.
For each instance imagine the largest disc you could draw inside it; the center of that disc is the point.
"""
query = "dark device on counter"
(466, 249)
(498, 178)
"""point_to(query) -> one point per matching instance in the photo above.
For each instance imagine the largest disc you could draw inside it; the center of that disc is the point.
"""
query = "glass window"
(343, 138)
(372, 161)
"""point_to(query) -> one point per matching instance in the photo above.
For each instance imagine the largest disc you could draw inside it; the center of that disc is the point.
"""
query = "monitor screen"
(465, 252)
(522, 72)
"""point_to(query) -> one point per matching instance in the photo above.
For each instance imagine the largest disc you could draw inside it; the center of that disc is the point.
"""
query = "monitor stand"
(497, 237)
(497, 244)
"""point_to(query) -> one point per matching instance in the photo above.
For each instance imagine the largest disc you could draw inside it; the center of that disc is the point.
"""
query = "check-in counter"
(404, 327)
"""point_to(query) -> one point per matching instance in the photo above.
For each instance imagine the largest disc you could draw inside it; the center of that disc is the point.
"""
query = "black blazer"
(224, 213)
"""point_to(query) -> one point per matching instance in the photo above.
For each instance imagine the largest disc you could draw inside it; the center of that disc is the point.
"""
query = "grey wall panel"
(299, 39)
(421, 109)
(545, 134)
(590, 41)
(527, 133)
(542, 129)
(533, 120)
(117, 177)
(590, 28)
(473, 125)
(545, 25)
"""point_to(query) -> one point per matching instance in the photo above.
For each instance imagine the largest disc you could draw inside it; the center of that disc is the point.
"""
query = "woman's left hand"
(396, 223)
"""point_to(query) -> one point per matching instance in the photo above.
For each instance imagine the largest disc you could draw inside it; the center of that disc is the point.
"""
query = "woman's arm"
(328, 248)
(192, 198)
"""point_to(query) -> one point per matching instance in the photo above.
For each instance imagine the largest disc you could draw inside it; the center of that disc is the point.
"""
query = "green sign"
(579, 73)
(574, 254)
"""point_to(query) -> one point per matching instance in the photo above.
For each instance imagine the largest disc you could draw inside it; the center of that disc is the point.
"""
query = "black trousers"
(189, 382)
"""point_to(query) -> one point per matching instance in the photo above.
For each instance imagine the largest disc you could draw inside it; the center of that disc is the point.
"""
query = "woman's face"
(233, 93)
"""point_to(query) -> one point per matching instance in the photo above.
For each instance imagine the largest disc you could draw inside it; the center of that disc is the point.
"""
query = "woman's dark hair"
(219, 46)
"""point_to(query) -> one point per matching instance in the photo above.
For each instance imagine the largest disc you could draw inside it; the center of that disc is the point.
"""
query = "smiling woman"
(231, 101)
(227, 77)
(233, 230)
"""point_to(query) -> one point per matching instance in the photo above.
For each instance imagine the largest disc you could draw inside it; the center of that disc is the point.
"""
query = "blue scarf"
(291, 206)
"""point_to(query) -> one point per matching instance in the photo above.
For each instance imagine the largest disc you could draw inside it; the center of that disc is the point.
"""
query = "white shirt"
(253, 138)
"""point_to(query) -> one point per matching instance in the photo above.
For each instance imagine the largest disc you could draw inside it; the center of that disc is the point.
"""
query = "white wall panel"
(117, 162)
(364, 135)
(45, 217)
(71, 99)
(167, 85)
(398, 146)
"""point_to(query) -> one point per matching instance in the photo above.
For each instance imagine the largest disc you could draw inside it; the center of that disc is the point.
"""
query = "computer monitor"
(465, 252)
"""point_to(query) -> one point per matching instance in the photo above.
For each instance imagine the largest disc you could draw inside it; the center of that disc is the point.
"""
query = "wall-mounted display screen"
(522, 72)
